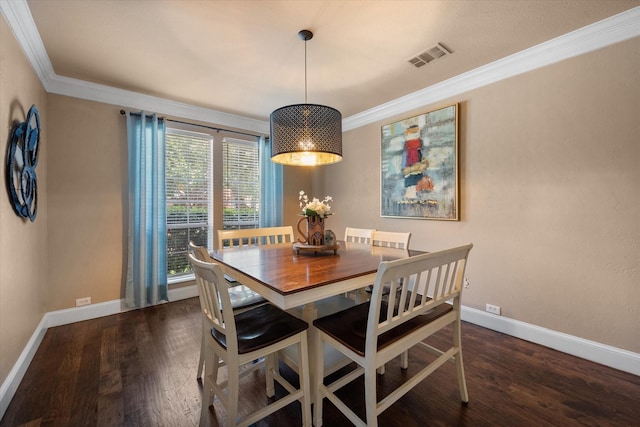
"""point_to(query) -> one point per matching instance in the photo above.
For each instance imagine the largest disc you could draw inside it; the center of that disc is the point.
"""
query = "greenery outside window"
(191, 189)
(241, 186)
(189, 158)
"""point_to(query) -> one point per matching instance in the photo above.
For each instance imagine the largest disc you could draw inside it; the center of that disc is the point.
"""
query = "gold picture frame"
(419, 166)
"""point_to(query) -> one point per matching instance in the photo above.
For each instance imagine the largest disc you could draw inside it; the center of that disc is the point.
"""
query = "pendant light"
(306, 134)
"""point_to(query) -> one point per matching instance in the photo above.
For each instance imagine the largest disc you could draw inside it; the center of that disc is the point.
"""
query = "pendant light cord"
(305, 71)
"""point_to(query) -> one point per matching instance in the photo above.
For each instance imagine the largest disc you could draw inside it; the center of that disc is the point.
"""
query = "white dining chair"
(390, 239)
(247, 341)
(255, 236)
(393, 240)
(242, 298)
(358, 235)
(371, 334)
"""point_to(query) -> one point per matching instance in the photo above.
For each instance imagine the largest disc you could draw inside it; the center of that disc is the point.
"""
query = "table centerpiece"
(313, 212)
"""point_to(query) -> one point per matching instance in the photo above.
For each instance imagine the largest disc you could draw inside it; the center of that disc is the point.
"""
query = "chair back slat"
(255, 236)
(422, 282)
(390, 239)
(358, 235)
(200, 252)
(213, 291)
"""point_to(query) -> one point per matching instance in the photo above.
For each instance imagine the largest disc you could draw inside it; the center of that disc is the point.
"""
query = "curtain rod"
(122, 112)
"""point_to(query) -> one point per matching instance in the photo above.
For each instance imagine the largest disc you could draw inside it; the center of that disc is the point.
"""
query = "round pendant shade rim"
(306, 104)
(283, 159)
(306, 135)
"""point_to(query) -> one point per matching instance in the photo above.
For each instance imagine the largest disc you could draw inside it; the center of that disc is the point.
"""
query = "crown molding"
(18, 16)
(615, 29)
(110, 95)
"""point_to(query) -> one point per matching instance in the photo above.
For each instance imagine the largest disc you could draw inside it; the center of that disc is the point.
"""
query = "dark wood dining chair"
(247, 341)
(371, 334)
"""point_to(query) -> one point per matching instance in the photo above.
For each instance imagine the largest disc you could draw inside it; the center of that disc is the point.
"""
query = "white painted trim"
(612, 30)
(86, 312)
(184, 292)
(615, 29)
(107, 308)
(603, 354)
(64, 317)
(11, 383)
(613, 357)
(18, 16)
(109, 95)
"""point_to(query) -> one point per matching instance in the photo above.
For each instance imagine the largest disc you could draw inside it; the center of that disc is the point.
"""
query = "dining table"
(289, 278)
(299, 281)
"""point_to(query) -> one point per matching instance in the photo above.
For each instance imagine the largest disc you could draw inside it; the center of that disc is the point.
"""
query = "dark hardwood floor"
(138, 369)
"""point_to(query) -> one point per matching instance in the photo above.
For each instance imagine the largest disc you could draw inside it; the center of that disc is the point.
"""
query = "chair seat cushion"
(262, 326)
(349, 326)
(242, 297)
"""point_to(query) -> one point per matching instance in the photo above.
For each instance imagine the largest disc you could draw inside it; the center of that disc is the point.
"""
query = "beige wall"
(87, 201)
(23, 244)
(550, 185)
(87, 195)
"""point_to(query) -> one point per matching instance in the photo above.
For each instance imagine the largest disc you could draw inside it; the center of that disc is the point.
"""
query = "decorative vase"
(315, 230)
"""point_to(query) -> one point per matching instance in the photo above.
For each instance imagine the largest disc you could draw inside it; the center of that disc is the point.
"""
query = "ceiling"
(245, 57)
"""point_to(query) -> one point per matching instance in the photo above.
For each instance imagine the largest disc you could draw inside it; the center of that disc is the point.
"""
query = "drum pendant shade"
(306, 134)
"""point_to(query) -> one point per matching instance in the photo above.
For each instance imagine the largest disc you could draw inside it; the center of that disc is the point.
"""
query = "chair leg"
(203, 343)
(404, 360)
(303, 370)
(207, 389)
(215, 363)
(462, 383)
(233, 385)
(318, 381)
(270, 366)
(370, 398)
(204, 415)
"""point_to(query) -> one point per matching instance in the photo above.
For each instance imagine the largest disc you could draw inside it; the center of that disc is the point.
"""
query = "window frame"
(216, 192)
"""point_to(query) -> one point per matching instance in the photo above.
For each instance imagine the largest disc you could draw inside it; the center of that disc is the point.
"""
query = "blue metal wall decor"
(22, 160)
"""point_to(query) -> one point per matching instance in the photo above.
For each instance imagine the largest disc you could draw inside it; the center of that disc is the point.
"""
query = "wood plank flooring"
(139, 368)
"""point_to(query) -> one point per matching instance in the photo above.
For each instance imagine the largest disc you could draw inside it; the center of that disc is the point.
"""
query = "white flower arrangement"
(315, 206)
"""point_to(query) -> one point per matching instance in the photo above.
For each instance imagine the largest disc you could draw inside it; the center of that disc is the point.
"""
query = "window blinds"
(189, 195)
(241, 187)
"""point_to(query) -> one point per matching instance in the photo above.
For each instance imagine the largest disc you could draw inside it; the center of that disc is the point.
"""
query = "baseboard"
(183, 292)
(107, 308)
(613, 357)
(11, 383)
(64, 317)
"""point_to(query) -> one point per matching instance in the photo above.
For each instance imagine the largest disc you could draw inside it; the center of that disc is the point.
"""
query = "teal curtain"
(270, 187)
(147, 258)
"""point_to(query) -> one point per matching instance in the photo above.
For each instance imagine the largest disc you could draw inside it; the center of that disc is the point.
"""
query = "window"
(191, 189)
(241, 187)
(189, 196)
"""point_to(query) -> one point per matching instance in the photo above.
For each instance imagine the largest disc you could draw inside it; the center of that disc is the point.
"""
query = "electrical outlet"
(466, 283)
(83, 301)
(493, 309)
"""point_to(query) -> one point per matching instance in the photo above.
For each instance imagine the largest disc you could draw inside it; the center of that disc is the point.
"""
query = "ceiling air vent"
(429, 55)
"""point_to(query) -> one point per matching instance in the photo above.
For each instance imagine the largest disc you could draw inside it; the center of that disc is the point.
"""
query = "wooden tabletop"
(276, 271)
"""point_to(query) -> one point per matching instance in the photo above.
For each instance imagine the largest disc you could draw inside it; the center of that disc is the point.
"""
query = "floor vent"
(429, 55)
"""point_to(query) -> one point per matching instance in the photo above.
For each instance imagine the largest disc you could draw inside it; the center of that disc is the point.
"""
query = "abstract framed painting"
(419, 166)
